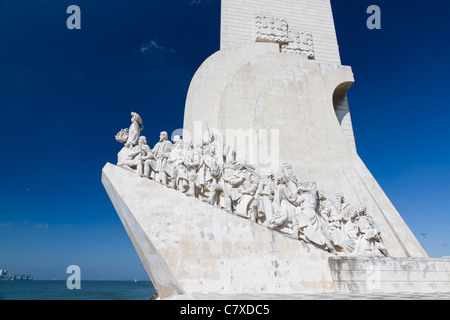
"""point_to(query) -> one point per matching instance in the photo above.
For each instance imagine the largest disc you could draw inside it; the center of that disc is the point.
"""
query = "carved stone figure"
(137, 157)
(210, 166)
(232, 193)
(161, 152)
(174, 161)
(370, 242)
(223, 152)
(323, 203)
(309, 225)
(192, 162)
(241, 186)
(351, 233)
(215, 182)
(265, 196)
(289, 177)
(129, 137)
(283, 202)
(255, 212)
(203, 177)
(210, 172)
(331, 219)
(341, 206)
(332, 223)
(134, 130)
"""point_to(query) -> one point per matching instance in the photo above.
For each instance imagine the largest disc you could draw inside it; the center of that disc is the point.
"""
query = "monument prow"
(189, 247)
(191, 250)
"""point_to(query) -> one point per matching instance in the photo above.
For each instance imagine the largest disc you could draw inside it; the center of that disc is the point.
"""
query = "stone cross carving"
(271, 29)
(276, 29)
(300, 42)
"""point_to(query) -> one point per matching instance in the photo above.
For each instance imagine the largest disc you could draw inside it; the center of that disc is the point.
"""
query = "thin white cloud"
(42, 226)
(6, 224)
(153, 46)
(198, 2)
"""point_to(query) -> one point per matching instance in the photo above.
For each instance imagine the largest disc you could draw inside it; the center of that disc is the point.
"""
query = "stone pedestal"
(390, 275)
(190, 248)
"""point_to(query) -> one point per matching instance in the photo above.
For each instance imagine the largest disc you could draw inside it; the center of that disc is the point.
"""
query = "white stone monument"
(265, 193)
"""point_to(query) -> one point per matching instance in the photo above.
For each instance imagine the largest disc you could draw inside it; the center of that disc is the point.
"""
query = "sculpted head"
(241, 165)
(163, 136)
(320, 195)
(178, 142)
(340, 198)
(136, 118)
(270, 174)
(362, 210)
(142, 140)
(288, 172)
(353, 214)
(188, 144)
(281, 180)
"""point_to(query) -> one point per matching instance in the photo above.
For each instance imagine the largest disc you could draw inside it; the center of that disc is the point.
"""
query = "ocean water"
(90, 290)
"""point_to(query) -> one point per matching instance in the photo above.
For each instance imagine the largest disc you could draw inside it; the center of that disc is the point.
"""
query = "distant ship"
(4, 276)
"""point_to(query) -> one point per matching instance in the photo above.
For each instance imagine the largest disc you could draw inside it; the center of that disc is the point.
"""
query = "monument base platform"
(390, 275)
(328, 296)
(192, 250)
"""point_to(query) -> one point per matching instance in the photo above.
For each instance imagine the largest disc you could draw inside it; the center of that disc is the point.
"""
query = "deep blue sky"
(64, 94)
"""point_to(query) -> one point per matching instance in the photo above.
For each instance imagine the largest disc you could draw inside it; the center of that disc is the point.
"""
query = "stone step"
(365, 275)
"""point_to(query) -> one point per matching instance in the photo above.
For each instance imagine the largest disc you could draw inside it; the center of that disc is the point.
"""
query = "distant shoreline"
(64, 280)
